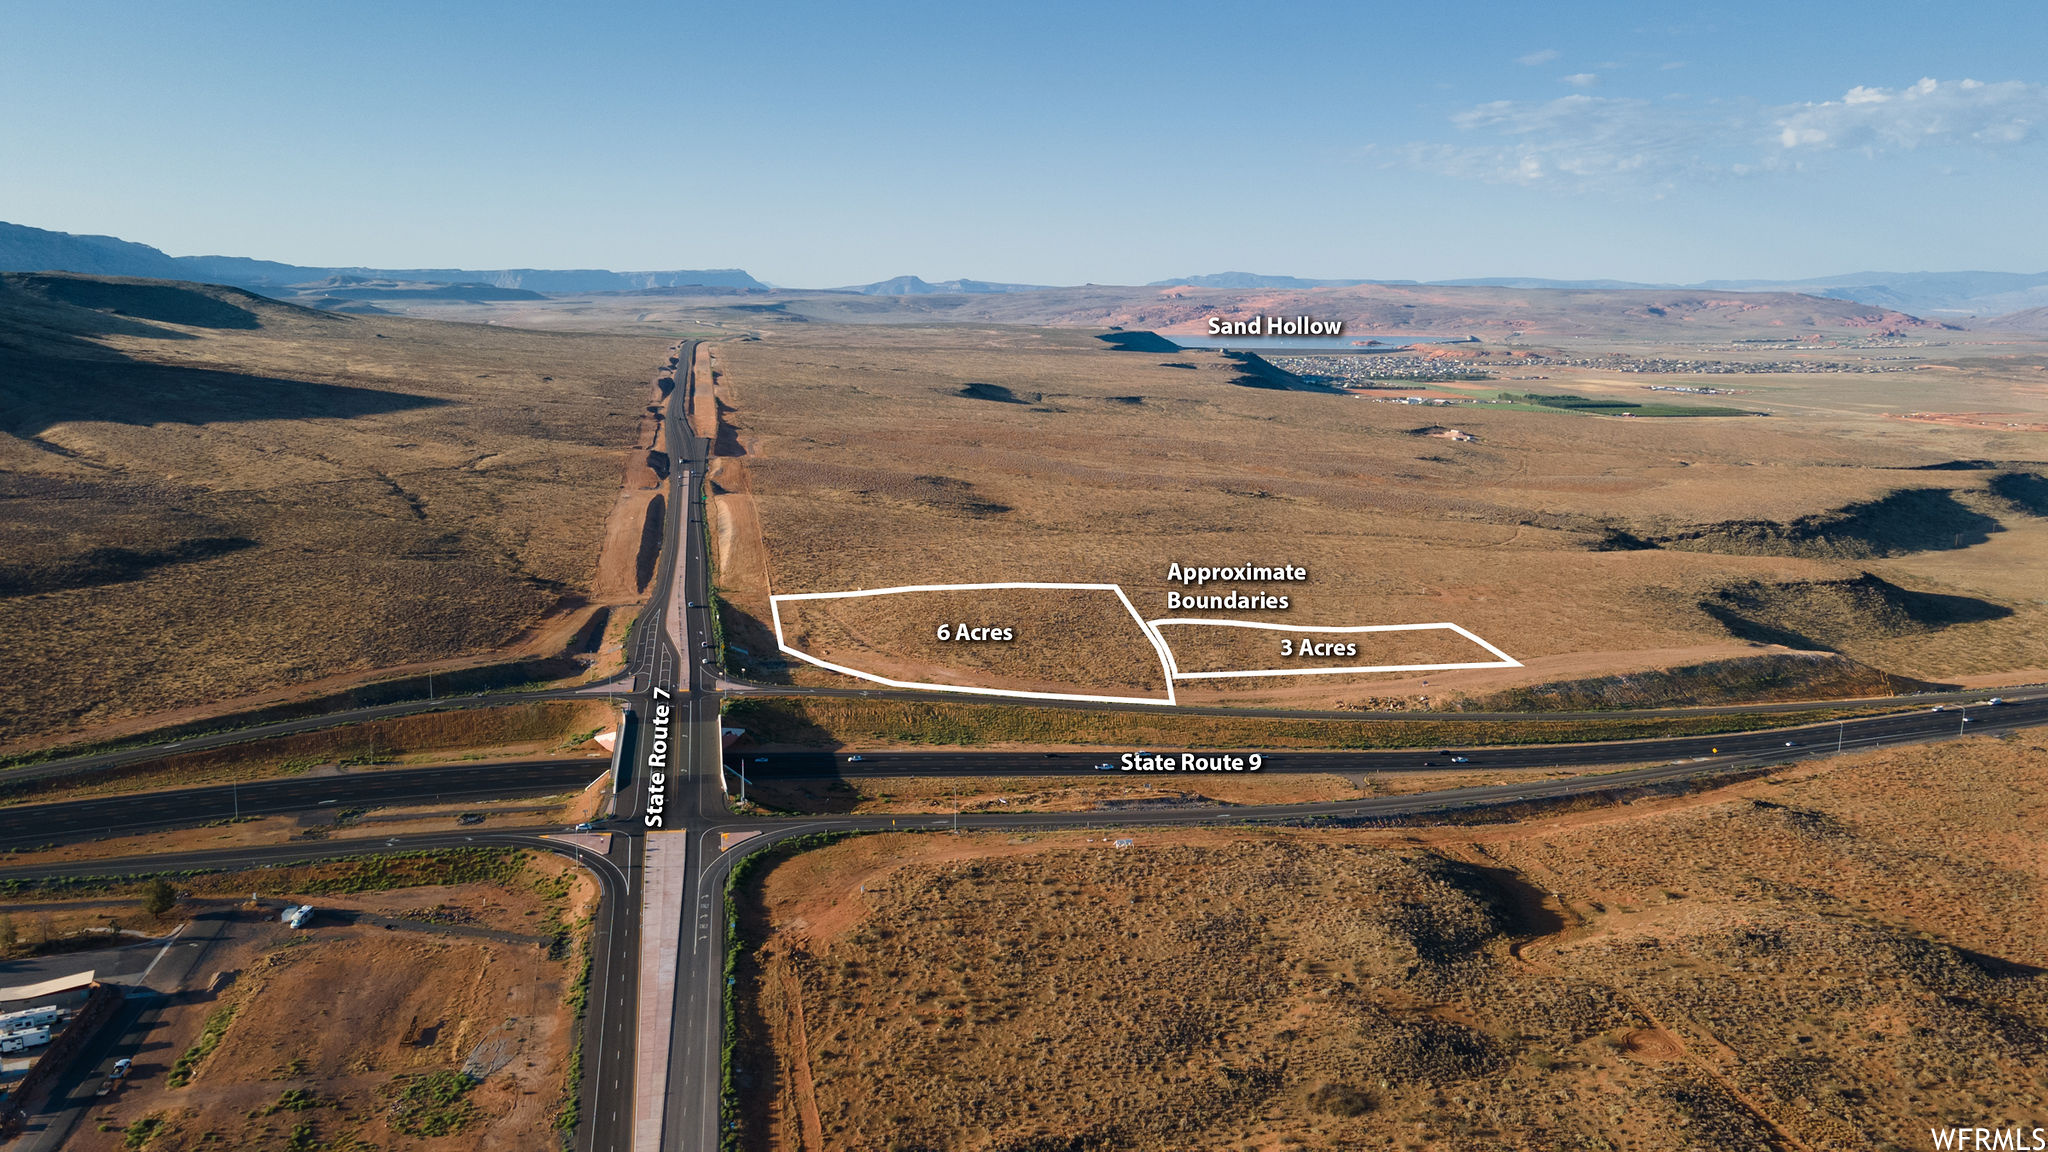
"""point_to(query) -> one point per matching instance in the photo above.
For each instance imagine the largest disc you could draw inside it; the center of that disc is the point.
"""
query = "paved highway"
(32, 824)
(730, 685)
(1864, 732)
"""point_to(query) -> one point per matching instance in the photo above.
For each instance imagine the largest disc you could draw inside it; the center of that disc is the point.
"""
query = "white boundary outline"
(1505, 661)
(1151, 630)
(1158, 645)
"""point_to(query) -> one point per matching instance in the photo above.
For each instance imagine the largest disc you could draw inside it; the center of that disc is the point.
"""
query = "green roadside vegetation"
(140, 1133)
(732, 1134)
(556, 890)
(569, 1113)
(433, 1104)
(209, 1039)
(831, 722)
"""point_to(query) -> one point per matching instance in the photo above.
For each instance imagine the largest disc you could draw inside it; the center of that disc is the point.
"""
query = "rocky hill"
(2025, 320)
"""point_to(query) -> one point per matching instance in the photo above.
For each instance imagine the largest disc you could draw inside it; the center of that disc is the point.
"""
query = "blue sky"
(825, 144)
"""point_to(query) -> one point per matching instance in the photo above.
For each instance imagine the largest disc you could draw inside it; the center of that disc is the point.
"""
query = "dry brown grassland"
(1584, 546)
(1837, 956)
(1059, 640)
(213, 497)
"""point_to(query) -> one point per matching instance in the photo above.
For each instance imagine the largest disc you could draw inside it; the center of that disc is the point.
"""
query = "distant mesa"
(341, 288)
(25, 249)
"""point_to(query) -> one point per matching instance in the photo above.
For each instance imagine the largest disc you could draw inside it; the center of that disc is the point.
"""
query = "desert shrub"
(1341, 1100)
(434, 1104)
(209, 1039)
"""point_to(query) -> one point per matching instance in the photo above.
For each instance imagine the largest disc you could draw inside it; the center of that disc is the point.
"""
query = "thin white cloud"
(1583, 141)
(1582, 79)
(1576, 140)
(1540, 56)
(1925, 114)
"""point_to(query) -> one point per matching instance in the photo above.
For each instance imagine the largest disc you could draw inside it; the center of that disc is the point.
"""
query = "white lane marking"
(168, 941)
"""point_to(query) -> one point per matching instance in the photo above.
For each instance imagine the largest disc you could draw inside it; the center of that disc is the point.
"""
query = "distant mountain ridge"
(1247, 280)
(1988, 296)
(25, 249)
(1955, 293)
(2025, 320)
(913, 286)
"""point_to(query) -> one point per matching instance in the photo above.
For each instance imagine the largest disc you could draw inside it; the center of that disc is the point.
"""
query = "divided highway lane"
(740, 686)
(27, 825)
(1783, 743)
(75, 765)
